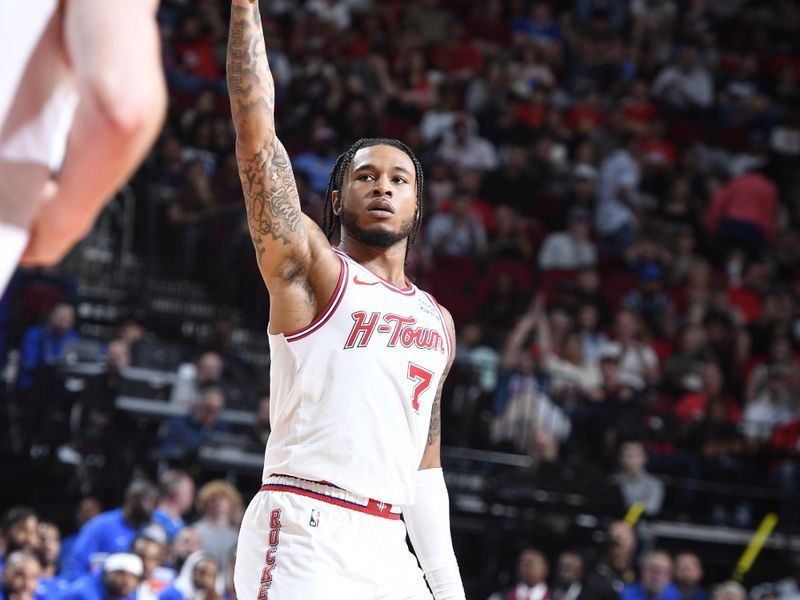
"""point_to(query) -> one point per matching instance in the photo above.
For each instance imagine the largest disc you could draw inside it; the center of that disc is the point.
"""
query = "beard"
(377, 238)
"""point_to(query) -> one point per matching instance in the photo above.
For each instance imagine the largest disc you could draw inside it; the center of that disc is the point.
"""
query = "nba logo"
(314, 521)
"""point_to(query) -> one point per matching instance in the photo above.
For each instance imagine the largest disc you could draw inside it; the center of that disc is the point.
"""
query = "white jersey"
(351, 393)
(37, 104)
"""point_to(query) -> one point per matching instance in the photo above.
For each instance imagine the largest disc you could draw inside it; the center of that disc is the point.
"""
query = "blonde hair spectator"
(730, 590)
(218, 487)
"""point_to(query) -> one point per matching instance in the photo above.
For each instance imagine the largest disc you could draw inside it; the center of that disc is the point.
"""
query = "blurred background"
(611, 216)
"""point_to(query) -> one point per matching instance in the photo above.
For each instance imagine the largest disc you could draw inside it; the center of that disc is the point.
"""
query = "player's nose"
(382, 187)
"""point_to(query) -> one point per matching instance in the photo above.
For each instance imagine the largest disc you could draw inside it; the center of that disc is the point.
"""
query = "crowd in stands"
(142, 550)
(612, 216)
(145, 550)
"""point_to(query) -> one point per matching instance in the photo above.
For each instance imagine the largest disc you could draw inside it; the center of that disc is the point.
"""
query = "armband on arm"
(428, 525)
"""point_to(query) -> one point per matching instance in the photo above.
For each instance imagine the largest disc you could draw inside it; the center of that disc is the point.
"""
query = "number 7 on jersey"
(422, 378)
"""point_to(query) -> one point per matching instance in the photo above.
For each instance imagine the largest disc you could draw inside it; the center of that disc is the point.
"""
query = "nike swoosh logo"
(357, 281)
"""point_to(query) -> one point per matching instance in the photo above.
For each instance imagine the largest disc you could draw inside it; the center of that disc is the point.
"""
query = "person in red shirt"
(195, 49)
(587, 115)
(743, 212)
(458, 56)
(694, 406)
(658, 153)
(637, 108)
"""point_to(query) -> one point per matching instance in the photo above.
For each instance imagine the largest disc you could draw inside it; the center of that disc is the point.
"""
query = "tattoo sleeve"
(270, 192)
(435, 428)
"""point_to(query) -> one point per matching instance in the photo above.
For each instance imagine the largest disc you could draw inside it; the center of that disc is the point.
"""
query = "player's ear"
(336, 197)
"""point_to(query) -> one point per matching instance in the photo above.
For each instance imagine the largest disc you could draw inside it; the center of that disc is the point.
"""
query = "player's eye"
(399, 179)
(365, 177)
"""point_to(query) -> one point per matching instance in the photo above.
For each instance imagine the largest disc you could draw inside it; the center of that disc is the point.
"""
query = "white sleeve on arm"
(428, 524)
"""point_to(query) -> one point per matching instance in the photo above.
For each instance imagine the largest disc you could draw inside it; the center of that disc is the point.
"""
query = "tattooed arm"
(295, 258)
(428, 518)
(431, 458)
(277, 226)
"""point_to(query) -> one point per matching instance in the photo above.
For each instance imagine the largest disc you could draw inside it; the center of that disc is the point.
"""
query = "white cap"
(123, 561)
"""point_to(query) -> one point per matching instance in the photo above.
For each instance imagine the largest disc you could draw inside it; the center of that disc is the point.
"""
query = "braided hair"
(331, 220)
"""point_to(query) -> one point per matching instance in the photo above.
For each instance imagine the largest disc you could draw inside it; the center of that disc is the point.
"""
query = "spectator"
(88, 508)
(331, 12)
(686, 85)
(694, 405)
(196, 581)
(511, 236)
(99, 428)
(683, 370)
(430, 19)
(638, 362)
(606, 581)
(688, 577)
(112, 531)
(589, 328)
(512, 182)
(571, 249)
(774, 407)
(186, 541)
(655, 582)
(188, 217)
(20, 530)
(194, 378)
(20, 576)
(789, 586)
(532, 571)
(259, 434)
(635, 483)
(458, 232)
(622, 534)
(730, 590)
(521, 408)
(463, 148)
(571, 376)
(151, 547)
(230, 592)
(569, 576)
(176, 499)
(118, 579)
(43, 345)
(538, 27)
(318, 162)
(618, 197)
(458, 57)
(651, 302)
(186, 434)
(50, 583)
(743, 213)
(613, 389)
(781, 355)
(219, 504)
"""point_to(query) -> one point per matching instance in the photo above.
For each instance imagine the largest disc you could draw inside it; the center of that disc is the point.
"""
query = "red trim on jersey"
(327, 313)
(409, 290)
(373, 507)
(451, 343)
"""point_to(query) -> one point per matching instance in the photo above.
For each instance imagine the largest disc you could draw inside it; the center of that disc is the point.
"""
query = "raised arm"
(114, 50)
(277, 226)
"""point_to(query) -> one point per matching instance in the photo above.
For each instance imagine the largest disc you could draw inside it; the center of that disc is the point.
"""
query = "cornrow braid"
(331, 221)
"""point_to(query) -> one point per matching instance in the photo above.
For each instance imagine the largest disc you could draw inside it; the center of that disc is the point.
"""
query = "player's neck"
(388, 263)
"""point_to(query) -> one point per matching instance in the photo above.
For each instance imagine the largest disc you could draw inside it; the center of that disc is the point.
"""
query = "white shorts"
(303, 540)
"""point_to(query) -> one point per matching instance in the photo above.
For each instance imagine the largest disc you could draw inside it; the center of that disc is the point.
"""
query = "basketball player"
(358, 356)
(82, 98)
